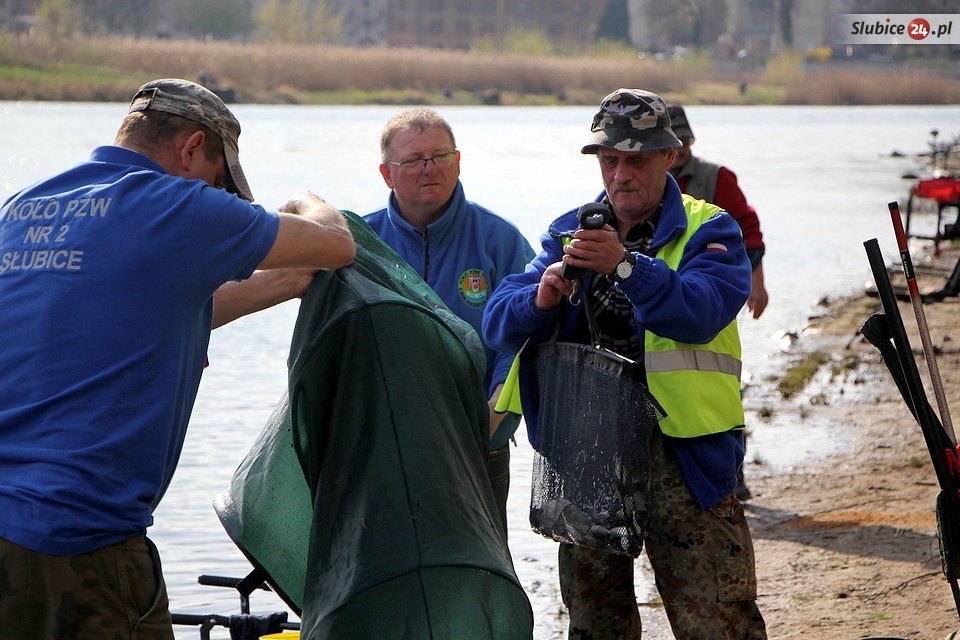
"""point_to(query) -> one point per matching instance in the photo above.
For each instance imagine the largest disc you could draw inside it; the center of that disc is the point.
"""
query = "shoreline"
(846, 543)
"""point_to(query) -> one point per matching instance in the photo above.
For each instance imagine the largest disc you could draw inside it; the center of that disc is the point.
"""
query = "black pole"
(943, 453)
(917, 302)
(935, 436)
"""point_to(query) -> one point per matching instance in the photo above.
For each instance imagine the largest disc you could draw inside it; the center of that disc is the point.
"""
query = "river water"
(820, 178)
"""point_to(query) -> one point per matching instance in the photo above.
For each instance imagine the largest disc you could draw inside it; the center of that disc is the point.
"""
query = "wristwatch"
(625, 268)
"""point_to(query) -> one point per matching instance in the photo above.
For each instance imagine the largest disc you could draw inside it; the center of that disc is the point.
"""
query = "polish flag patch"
(716, 246)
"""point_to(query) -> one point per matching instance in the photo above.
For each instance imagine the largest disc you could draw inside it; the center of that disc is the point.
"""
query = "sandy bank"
(847, 545)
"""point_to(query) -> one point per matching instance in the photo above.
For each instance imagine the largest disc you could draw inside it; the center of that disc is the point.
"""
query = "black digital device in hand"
(593, 215)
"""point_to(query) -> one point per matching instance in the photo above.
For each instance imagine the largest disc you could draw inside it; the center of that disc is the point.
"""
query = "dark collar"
(642, 229)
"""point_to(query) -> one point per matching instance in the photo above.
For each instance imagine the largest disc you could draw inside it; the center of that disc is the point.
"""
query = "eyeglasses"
(440, 161)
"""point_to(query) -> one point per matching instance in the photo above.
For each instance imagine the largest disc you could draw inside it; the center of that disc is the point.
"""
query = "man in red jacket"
(718, 184)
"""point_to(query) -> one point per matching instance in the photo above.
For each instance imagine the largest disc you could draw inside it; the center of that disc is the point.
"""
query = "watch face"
(624, 269)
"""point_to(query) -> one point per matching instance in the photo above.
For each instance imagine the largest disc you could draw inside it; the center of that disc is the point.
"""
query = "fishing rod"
(917, 302)
(886, 332)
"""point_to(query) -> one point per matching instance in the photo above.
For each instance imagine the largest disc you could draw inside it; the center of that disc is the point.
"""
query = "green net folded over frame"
(365, 499)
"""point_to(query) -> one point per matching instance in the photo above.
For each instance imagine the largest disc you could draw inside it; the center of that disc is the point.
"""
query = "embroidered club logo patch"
(473, 287)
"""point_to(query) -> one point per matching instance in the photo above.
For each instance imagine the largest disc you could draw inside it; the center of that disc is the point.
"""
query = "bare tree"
(217, 18)
(301, 21)
(695, 23)
(118, 16)
(59, 18)
(785, 21)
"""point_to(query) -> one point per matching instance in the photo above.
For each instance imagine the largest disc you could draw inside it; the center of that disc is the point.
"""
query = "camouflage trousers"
(703, 565)
(113, 593)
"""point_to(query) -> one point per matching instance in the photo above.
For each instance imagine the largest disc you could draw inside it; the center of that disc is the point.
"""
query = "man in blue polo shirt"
(107, 275)
(461, 249)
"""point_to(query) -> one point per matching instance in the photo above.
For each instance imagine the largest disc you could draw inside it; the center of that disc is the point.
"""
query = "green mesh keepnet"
(591, 466)
(365, 500)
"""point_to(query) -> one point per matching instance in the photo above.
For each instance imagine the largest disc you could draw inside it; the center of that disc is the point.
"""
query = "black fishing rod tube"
(917, 303)
(944, 455)
(938, 444)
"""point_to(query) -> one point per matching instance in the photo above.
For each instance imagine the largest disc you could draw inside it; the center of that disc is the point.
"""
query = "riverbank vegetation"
(800, 373)
(106, 68)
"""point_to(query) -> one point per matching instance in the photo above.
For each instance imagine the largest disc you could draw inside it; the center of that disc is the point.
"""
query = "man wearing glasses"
(462, 250)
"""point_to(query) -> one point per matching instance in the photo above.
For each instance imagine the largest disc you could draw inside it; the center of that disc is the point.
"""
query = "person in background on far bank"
(112, 275)
(461, 249)
(718, 185)
(670, 274)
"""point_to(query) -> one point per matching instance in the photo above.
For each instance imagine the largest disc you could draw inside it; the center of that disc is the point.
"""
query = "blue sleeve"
(511, 316)
(512, 260)
(695, 302)
(231, 235)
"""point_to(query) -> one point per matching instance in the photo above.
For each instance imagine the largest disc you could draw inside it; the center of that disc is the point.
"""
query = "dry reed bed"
(97, 69)
(847, 87)
(258, 68)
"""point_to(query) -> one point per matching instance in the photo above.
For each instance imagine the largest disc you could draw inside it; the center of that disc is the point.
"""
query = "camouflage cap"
(631, 120)
(678, 121)
(195, 102)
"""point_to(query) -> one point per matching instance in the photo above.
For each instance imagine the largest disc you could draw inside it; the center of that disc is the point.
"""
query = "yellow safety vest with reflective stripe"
(698, 385)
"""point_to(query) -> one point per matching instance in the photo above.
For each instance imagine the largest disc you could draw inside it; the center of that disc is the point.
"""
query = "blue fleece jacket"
(463, 256)
(691, 304)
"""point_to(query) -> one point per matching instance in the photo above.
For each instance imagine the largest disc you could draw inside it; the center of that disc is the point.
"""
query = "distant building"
(16, 16)
(813, 24)
(757, 25)
(364, 21)
(754, 28)
(454, 24)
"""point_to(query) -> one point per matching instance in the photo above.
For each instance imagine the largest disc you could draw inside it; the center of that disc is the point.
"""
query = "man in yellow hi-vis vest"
(666, 279)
